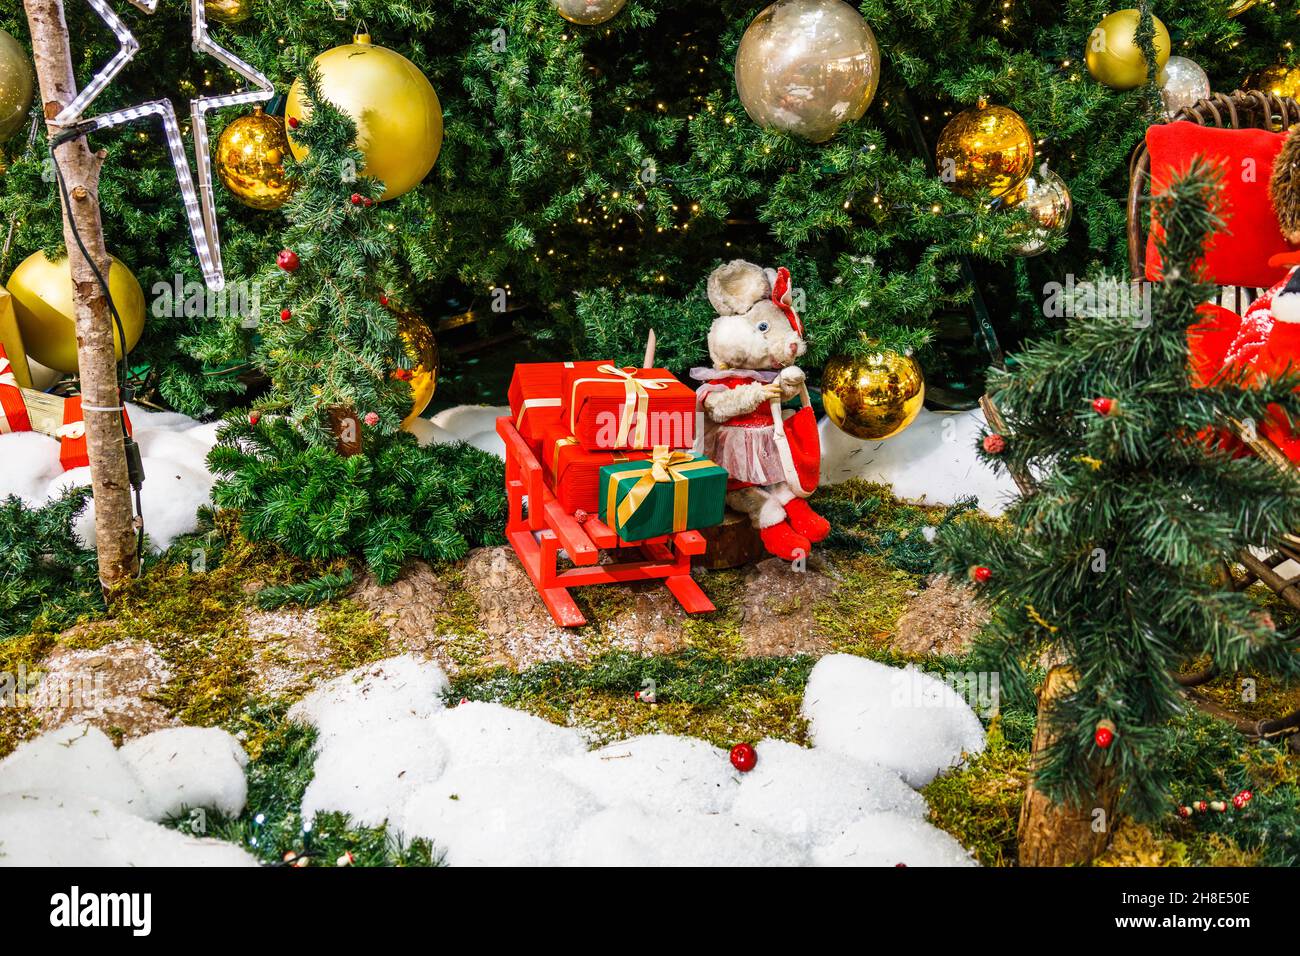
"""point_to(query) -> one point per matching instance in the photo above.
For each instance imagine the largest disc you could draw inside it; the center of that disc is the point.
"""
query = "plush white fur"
(736, 286)
(1286, 304)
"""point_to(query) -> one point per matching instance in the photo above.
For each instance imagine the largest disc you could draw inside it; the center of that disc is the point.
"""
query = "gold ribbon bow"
(636, 403)
(665, 465)
(73, 430)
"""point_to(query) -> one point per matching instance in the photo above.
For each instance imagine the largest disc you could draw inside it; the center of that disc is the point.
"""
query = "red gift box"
(72, 436)
(535, 403)
(13, 408)
(574, 473)
(607, 408)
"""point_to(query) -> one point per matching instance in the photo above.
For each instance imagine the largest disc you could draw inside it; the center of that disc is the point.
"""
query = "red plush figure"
(774, 464)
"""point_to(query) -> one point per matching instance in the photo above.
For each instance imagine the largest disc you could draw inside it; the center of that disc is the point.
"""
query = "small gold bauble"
(1047, 200)
(398, 116)
(1281, 80)
(985, 147)
(16, 85)
(250, 160)
(43, 303)
(872, 396)
(228, 11)
(1113, 55)
(588, 12)
(1241, 6)
(807, 67)
(422, 349)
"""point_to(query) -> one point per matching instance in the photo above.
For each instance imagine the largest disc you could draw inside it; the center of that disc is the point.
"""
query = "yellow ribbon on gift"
(636, 403)
(534, 403)
(664, 466)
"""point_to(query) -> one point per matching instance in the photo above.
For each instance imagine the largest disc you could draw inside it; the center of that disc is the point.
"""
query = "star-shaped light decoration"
(199, 206)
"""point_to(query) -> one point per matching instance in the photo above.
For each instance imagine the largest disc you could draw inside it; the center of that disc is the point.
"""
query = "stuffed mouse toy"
(754, 343)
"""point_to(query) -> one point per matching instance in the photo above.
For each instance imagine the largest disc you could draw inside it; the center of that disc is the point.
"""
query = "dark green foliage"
(857, 525)
(395, 502)
(46, 575)
(308, 593)
(1110, 563)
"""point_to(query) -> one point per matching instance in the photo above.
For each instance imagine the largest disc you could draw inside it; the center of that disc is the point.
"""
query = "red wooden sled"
(539, 534)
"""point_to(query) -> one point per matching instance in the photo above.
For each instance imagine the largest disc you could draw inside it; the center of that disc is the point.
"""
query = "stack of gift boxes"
(615, 442)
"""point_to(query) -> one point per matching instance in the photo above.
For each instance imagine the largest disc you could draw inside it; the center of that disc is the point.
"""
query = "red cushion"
(1239, 255)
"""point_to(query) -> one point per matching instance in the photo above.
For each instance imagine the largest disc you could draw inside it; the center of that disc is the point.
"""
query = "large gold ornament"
(872, 396)
(1241, 6)
(1047, 200)
(398, 116)
(1182, 84)
(985, 147)
(250, 160)
(16, 85)
(807, 67)
(588, 12)
(1113, 55)
(228, 11)
(422, 349)
(1282, 80)
(43, 302)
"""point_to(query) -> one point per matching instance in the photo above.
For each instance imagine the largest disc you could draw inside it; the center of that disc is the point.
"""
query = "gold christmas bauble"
(228, 11)
(985, 147)
(1113, 55)
(43, 303)
(1047, 200)
(398, 117)
(872, 396)
(1241, 6)
(588, 12)
(250, 160)
(16, 85)
(807, 67)
(422, 349)
(1282, 80)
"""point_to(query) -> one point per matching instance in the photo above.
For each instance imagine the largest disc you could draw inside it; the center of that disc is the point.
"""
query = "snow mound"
(186, 767)
(480, 734)
(504, 815)
(369, 697)
(888, 839)
(811, 796)
(177, 481)
(904, 719)
(632, 836)
(660, 772)
(68, 798)
(932, 460)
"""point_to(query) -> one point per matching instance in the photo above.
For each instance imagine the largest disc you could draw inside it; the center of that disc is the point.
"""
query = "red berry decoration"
(293, 122)
(371, 419)
(287, 260)
(367, 202)
(1104, 735)
(995, 444)
(383, 300)
(981, 574)
(1104, 406)
(356, 199)
(1184, 812)
(285, 315)
(254, 417)
(744, 757)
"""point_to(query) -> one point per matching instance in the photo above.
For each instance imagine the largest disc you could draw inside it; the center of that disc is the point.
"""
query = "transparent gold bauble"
(985, 147)
(250, 160)
(398, 116)
(228, 11)
(421, 349)
(874, 396)
(1046, 198)
(1182, 84)
(17, 83)
(43, 303)
(1281, 80)
(588, 12)
(1113, 55)
(807, 67)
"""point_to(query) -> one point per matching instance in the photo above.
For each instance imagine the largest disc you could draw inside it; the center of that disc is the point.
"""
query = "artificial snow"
(177, 481)
(69, 798)
(475, 424)
(932, 460)
(901, 718)
(490, 785)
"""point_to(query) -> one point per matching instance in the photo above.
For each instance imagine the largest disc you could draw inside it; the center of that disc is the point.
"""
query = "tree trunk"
(115, 532)
(1053, 834)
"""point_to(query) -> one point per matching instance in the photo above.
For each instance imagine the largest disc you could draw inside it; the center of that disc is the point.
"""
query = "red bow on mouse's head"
(783, 298)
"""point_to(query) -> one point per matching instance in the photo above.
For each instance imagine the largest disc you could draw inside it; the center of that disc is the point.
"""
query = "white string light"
(199, 203)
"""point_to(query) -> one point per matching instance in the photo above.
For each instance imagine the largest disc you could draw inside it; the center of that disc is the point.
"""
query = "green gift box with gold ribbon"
(673, 491)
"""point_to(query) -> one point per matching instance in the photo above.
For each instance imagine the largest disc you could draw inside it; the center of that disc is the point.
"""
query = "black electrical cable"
(134, 462)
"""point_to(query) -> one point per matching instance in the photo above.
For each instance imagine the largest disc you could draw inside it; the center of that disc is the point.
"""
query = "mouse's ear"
(736, 286)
